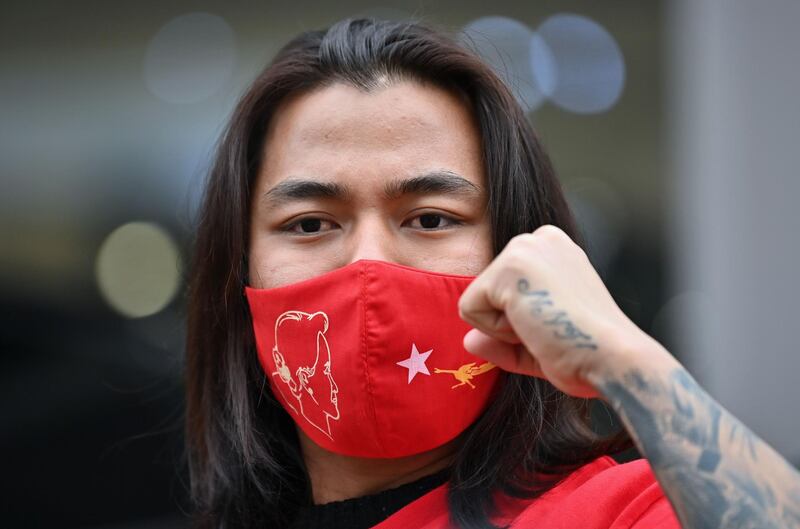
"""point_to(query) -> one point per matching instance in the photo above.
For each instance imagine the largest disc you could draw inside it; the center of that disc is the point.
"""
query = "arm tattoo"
(541, 306)
(714, 470)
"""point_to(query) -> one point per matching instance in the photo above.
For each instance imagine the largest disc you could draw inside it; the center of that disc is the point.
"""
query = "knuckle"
(521, 239)
(515, 259)
(550, 232)
(518, 253)
(521, 245)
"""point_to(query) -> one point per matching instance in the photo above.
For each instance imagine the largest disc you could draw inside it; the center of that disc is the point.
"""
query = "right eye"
(308, 226)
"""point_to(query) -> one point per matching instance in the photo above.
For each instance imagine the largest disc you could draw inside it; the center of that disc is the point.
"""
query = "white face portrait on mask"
(306, 370)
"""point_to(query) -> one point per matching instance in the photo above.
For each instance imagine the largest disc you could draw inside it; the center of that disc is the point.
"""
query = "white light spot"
(545, 69)
(138, 269)
(585, 71)
(505, 44)
(190, 58)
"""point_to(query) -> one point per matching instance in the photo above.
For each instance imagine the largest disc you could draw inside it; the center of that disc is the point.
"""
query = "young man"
(391, 323)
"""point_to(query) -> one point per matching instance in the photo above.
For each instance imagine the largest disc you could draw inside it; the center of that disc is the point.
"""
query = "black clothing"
(366, 511)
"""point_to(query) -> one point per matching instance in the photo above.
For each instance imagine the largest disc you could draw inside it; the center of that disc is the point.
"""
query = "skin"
(364, 141)
(538, 308)
(541, 309)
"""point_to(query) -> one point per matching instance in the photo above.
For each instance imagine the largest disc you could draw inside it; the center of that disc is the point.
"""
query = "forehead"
(340, 132)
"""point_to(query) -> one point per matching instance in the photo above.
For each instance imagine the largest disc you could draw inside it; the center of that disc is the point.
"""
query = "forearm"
(714, 470)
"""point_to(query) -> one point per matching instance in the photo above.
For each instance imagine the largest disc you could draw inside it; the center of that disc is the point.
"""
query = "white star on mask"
(415, 363)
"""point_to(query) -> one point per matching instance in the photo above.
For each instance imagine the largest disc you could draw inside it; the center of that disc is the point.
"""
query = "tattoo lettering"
(542, 306)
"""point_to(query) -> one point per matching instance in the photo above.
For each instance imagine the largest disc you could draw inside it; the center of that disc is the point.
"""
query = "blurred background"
(673, 126)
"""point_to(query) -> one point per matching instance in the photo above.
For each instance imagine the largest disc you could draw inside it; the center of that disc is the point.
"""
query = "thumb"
(507, 356)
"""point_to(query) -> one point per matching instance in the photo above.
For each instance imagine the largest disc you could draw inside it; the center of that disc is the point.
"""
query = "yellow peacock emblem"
(466, 373)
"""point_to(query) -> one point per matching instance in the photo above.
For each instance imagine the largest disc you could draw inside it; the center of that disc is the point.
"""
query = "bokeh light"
(505, 44)
(583, 70)
(190, 58)
(138, 269)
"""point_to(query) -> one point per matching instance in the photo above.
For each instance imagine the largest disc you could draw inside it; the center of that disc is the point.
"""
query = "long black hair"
(244, 461)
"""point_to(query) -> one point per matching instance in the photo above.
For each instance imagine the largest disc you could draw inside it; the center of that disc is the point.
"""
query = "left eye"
(433, 221)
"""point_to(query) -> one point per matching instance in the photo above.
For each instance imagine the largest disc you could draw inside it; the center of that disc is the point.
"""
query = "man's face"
(392, 175)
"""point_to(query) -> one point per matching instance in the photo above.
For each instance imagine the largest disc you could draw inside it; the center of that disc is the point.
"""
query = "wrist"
(633, 350)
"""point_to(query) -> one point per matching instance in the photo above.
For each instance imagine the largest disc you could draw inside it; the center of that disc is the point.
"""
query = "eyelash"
(290, 227)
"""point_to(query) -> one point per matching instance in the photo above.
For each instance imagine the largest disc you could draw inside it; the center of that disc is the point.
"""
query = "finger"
(477, 310)
(509, 357)
(493, 323)
(505, 331)
(500, 328)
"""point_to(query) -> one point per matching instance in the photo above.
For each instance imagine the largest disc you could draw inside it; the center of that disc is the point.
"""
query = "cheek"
(482, 253)
(468, 254)
(267, 269)
(273, 265)
(479, 252)
(270, 274)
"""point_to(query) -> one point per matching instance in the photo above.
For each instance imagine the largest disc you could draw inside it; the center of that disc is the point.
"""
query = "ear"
(283, 370)
(277, 357)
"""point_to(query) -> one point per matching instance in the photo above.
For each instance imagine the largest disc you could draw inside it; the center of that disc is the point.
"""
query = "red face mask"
(368, 358)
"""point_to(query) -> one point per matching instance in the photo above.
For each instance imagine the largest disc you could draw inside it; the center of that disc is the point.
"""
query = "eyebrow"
(442, 182)
(295, 189)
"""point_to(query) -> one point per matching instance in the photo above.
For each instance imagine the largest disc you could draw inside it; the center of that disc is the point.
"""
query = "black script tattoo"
(542, 306)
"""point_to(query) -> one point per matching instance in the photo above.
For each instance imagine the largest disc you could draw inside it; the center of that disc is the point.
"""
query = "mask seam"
(365, 358)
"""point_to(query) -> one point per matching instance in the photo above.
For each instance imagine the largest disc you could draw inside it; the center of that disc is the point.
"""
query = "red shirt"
(602, 494)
